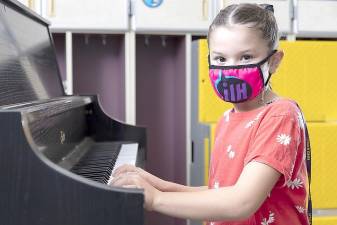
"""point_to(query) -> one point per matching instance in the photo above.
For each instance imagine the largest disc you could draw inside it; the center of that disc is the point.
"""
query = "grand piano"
(57, 151)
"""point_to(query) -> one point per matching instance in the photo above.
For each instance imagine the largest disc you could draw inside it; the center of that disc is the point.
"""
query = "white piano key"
(127, 155)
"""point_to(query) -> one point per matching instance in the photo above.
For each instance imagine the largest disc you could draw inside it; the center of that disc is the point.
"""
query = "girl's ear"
(275, 61)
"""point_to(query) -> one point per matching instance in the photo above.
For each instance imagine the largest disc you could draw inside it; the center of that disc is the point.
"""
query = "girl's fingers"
(128, 178)
(123, 169)
(134, 180)
(130, 186)
(120, 181)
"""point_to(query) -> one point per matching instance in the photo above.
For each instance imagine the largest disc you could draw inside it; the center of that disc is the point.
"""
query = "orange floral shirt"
(273, 135)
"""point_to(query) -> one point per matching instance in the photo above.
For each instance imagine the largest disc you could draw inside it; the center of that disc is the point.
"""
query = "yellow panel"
(211, 107)
(212, 126)
(323, 137)
(325, 220)
(208, 147)
(307, 75)
(206, 158)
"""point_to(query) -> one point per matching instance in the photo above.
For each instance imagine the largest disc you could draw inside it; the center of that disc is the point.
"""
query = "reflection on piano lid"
(57, 152)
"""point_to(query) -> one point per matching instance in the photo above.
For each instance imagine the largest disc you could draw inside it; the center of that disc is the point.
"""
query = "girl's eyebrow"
(218, 53)
(240, 53)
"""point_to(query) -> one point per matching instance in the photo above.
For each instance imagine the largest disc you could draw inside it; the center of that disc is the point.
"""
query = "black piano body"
(56, 151)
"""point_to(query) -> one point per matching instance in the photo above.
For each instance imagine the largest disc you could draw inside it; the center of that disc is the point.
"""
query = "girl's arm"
(174, 187)
(227, 203)
(160, 184)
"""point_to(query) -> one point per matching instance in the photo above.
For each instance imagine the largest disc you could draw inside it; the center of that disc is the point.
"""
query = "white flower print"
(216, 185)
(283, 139)
(296, 183)
(300, 209)
(226, 115)
(270, 220)
(230, 152)
(300, 119)
(250, 123)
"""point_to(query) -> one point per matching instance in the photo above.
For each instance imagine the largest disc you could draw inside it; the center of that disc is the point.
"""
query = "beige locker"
(317, 18)
(86, 15)
(172, 16)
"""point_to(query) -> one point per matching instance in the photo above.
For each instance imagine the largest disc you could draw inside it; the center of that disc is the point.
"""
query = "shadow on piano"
(56, 151)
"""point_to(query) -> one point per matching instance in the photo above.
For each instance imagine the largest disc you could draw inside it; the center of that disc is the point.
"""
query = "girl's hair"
(260, 17)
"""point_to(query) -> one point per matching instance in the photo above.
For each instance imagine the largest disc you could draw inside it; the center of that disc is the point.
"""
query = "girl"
(257, 173)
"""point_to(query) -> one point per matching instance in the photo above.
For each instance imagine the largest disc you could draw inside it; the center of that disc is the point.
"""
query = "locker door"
(325, 220)
(283, 11)
(173, 16)
(317, 18)
(98, 15)
(32, 4)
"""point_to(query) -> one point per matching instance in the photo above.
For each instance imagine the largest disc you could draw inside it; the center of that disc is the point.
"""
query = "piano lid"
(28, 65)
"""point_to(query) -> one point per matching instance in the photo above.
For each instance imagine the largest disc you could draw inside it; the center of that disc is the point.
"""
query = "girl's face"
(236, 45)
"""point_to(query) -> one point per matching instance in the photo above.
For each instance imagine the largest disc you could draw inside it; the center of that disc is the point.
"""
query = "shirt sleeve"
(276, 143)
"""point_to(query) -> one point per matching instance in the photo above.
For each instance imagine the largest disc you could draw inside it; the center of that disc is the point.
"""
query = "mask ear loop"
(264, 61)
(267, 58)
(266, 83)
(265, 87)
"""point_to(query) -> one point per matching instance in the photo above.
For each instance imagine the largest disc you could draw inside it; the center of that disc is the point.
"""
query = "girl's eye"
(220, 59)
(246, 57)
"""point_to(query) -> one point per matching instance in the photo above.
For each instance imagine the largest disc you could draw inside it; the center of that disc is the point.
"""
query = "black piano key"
(98, 162)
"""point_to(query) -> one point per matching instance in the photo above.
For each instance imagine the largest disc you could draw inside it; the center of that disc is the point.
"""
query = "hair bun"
(268, 7)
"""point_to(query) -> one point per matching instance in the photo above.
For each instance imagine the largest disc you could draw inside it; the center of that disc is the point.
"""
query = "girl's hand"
(125, 169)
(135, 180)
(149, 178)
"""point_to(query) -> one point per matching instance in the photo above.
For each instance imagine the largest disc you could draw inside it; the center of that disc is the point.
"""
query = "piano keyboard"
(103, 158)
(127, 155)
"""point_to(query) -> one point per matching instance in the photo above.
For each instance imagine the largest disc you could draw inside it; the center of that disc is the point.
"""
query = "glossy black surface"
(35, 191)
(28, 67)
(56, 127)
(38, 190)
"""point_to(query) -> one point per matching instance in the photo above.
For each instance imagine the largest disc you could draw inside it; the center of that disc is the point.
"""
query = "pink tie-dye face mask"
(238, 83)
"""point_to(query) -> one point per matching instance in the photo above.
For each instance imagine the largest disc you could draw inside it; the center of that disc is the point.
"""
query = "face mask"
(239, 83)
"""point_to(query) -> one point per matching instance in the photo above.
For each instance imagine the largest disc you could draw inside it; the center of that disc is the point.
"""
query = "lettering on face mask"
(233, 89)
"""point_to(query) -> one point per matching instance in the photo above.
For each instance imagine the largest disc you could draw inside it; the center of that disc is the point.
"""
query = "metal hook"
(163, 41)
(86, 39)
(104, 39)
(147, 40)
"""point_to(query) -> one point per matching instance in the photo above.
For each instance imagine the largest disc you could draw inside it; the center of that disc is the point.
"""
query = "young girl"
(257, 173)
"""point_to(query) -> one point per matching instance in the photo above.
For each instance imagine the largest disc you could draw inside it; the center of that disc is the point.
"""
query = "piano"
(57, 151)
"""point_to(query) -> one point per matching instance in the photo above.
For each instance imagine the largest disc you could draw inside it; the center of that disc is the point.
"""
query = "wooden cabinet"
(172, 16)
(283, 11)
(98, 15)
(317, 18)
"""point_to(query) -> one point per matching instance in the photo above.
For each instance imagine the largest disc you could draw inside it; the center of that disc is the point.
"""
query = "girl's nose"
(232, 62)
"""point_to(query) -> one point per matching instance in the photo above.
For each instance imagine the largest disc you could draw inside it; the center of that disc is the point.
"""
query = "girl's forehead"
(237, 38)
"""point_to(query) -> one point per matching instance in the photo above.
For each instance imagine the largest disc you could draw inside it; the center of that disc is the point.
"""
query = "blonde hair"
(261, 17)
